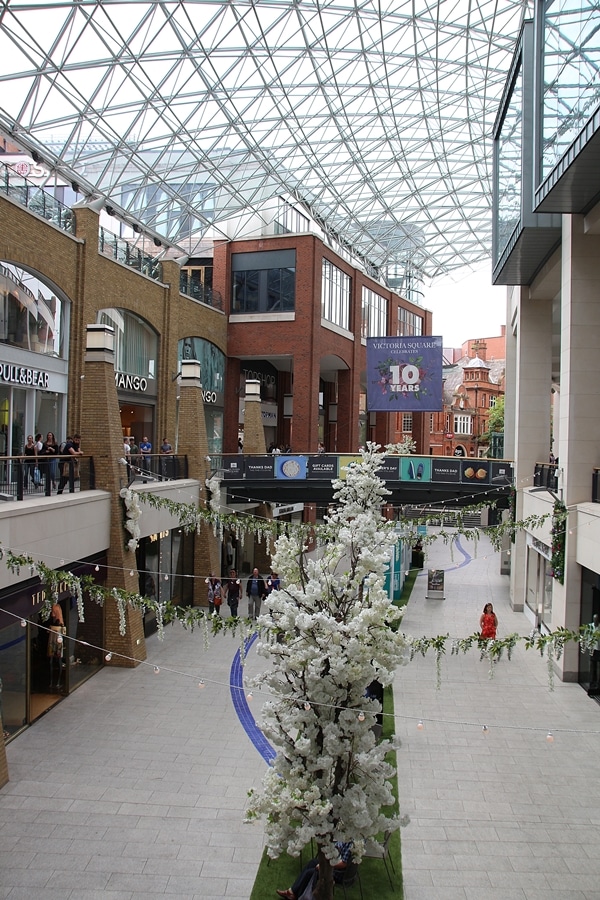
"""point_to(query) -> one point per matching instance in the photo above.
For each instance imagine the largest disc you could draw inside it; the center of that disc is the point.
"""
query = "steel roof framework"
(377, 115)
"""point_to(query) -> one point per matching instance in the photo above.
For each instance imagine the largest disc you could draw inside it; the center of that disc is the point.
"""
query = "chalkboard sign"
(435, 584)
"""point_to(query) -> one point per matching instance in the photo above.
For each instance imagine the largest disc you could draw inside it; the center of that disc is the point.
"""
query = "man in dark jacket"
(256, 591)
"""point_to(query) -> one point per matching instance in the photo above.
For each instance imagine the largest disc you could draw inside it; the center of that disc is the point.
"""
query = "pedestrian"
(71, 449)
(214, 595)
(51, 450)
(233, 588)
(256, 591)
(310, 873)
(273, 582)
(488, 623)
(145, 453)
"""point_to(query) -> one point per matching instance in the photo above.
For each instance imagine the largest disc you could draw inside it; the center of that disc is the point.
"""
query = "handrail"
(110, 244)
(61, 473)
(35, 198)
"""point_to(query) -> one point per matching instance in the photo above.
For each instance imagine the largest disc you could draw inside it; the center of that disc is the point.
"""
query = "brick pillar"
(193, 443)
(254, 432)
(102, 433)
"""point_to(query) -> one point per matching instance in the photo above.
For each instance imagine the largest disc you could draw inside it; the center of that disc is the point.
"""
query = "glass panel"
(136, 343)
(13, 682)
(510, 148)
(84, 659)
(571, 89)
(31, 315)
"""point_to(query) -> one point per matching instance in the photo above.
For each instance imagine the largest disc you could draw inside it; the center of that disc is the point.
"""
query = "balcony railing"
(35, 198)
(197, 291)
(110, 244)
(546, 475)
(27, 477)
(143, 469)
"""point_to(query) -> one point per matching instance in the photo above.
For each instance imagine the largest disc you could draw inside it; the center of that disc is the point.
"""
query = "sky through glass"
(187, 115)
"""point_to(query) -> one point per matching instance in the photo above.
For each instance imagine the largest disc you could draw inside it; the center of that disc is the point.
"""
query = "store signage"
(23, 375)
(131, 382)
(209, 396)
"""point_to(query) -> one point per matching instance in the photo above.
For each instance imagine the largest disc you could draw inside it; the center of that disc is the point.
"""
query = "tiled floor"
(503, 815)
(136, 785)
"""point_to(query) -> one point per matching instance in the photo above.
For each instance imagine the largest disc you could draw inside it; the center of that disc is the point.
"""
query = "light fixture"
(96, 204)
(99, 338)
(181, 260)
(191, 371)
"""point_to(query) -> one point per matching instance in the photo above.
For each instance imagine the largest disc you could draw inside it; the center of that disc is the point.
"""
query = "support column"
(193, 443)
(254, 432)
(528, 386)
(101, 430)
(578, 448)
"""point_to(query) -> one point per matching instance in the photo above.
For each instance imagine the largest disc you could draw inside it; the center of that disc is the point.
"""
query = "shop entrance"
(137, 421)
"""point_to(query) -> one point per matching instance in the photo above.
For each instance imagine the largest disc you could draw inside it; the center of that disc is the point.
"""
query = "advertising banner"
(322, 467)
(290, 467)
(404, 374)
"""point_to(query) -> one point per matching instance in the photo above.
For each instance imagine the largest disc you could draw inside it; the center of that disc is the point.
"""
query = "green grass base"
(283, 871)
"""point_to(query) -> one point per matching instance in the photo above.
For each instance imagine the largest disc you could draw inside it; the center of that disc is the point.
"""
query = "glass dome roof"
(191, 116)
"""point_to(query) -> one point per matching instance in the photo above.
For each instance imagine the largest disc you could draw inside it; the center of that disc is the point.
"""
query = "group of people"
(48, 461)
(230, 591)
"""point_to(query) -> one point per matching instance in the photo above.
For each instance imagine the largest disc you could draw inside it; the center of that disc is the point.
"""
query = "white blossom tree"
(328, 634)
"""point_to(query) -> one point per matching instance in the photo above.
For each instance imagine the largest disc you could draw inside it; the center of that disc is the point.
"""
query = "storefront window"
(32, 317)
(13, 668)
(136, 348)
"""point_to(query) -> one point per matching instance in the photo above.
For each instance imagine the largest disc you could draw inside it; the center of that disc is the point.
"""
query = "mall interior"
(110, 332)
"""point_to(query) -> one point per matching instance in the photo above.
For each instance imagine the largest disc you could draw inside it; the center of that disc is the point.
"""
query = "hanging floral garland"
(559, 538)
(133, 511)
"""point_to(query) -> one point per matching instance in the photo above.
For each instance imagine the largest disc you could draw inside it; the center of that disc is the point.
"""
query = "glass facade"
(32, 317)
(263, 282)
(509, 168)
(212, 362)
(570, 86)
(374, 314)
(409, 323)
(336, 289)
(136, 344)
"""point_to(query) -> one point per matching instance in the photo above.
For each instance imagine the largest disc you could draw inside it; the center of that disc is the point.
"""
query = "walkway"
(504, 815)
(135, 786)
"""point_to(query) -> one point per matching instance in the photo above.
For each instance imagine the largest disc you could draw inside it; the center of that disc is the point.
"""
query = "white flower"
(133, 512)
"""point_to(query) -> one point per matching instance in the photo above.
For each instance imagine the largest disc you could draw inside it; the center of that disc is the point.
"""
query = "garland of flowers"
(559, 538)
(549, 645)
(133, 511)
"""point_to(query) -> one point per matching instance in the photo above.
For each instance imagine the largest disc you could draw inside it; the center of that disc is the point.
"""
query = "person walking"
(233, 589)
(214, 595)
(256, 591)
(488, 623)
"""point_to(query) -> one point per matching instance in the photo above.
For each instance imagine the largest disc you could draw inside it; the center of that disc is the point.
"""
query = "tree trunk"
(324, 887)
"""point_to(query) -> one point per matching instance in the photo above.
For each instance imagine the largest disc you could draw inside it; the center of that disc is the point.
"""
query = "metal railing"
(27, 477)
(546, 475)
(109, 244)
(143, 468)
(35, 198)
(197, 291)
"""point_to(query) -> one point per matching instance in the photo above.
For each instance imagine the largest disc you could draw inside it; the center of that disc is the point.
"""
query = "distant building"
(473, 382)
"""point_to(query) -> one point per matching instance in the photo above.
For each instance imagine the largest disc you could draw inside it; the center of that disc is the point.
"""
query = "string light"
(97, 568)
(361, 717)
(23, 623)
(108, 657)
(420, 725)
(201, 684)
(249, 695)
(550, 737)
(156, 670)
(485, 729)
(306, 705)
